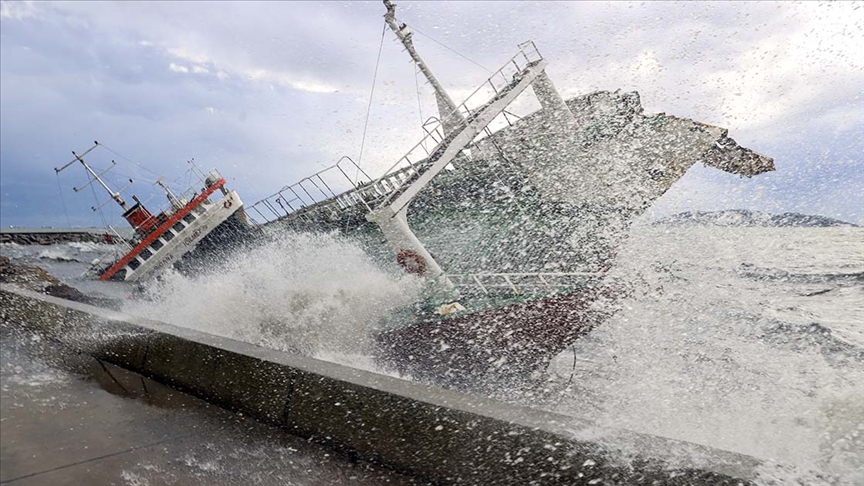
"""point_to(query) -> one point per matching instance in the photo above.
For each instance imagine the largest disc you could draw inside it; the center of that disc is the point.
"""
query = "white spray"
(733, 344)
(318, 294)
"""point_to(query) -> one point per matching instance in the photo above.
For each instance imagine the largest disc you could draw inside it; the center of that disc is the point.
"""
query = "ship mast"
(173, 199)
(449, 113)
(95, 177)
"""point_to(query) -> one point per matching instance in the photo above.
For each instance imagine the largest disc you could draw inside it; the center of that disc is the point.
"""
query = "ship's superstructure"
(519, 219)
(162, 238)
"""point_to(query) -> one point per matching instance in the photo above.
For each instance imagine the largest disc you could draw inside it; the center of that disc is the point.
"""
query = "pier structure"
(433, 434)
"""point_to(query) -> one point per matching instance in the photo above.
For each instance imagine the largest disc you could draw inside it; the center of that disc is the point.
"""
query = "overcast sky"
(269, 92)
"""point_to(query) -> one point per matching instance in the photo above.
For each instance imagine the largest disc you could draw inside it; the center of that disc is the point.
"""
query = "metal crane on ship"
(461, 125)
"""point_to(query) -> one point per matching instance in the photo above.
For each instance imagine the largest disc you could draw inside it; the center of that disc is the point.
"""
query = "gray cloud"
(271, 91)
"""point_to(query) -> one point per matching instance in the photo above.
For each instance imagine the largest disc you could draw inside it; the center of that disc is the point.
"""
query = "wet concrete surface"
(70, 419)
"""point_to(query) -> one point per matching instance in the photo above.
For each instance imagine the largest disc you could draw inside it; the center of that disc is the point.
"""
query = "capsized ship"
(513, 221)
(199, 218)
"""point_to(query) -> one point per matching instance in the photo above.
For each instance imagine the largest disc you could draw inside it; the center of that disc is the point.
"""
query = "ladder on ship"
(313, 198)
(385, 200)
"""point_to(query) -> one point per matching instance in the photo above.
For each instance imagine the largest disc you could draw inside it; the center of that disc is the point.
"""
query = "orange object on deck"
(161, 229)
(140, 219)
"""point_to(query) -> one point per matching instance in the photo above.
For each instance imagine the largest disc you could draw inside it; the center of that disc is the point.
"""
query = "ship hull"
(536, 197)
(175, 241)
(503, 344)
(218, 246)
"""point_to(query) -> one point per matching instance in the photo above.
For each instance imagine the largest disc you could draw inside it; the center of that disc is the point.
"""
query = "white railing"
(333, 188)
(306, 195)
(501, 80)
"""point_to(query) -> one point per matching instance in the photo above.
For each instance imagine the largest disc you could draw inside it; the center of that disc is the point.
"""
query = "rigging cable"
(419, 105)
(369, 108)
(454, 51)
(129, 160)
(98, 207)
(63, 199)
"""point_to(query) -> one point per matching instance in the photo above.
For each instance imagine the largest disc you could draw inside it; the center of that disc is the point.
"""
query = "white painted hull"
(207, 218)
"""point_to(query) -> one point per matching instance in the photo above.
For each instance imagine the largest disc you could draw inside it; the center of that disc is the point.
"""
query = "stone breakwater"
(36, 279)
(50, 237)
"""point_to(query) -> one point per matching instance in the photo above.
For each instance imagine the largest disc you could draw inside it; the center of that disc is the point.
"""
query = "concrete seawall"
(432, 433)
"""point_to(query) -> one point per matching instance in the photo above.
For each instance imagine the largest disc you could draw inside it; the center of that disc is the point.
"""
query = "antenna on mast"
(141, 220)
(96, 177)
(449, 113)
(172, 198)
(195, 167)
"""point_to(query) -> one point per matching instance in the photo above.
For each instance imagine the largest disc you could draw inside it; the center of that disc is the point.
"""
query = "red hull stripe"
(161, 229)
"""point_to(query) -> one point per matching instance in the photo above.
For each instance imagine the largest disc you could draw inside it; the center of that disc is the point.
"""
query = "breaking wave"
(318, 294)
(743, 339)
(81, 252)
(769, 367)
(58, 254)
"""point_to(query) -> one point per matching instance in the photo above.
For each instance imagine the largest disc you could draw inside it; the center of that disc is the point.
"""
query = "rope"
(419, 105)
(369, 108)
(454, 51)
(63, 199)
(158, 175)
(96, 201)
(173, 183)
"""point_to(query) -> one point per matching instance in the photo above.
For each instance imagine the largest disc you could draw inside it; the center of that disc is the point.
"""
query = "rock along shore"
(36, 279)
(50, 237)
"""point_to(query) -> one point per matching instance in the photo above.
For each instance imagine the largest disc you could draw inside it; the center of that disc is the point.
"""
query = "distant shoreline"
(743, 218)
(51, 229)
(50, 236)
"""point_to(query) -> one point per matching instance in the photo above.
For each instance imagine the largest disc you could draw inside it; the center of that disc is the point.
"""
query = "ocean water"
(744, 339)
(318, 294)
(68, 262)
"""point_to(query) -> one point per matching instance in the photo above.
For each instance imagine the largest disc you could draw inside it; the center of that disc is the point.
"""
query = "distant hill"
(747, 218)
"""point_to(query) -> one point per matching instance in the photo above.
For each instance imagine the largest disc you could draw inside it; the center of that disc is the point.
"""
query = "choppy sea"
(744, 339)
